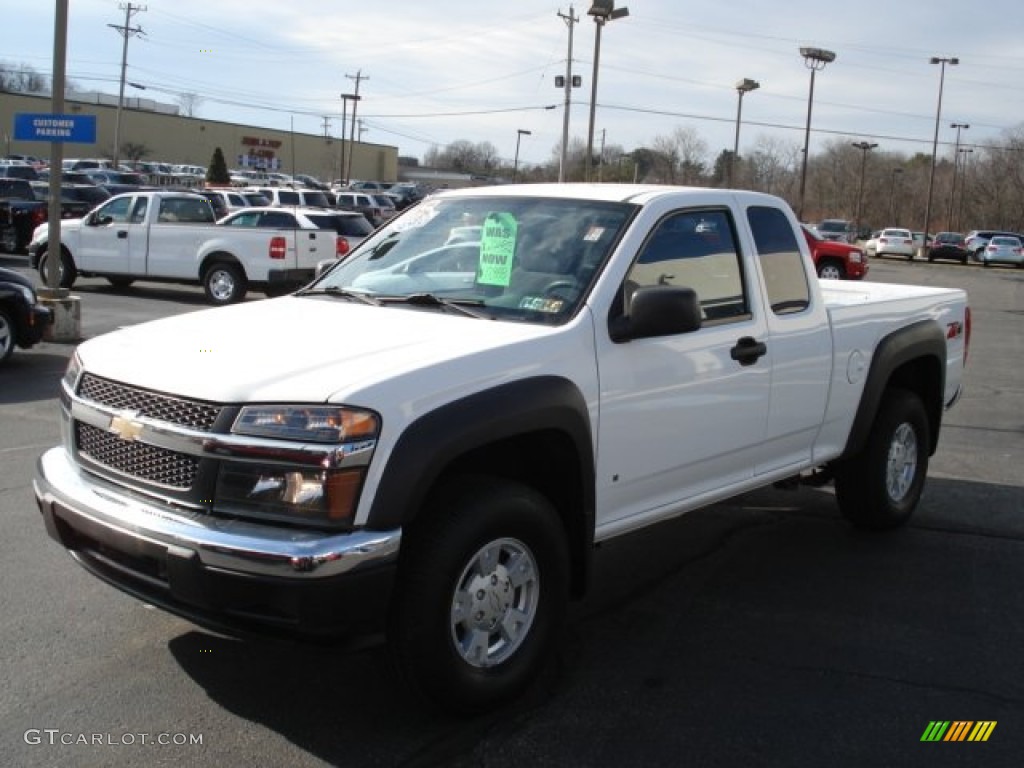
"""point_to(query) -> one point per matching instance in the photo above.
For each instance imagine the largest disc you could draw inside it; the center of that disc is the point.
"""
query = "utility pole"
(326, 126)
(570, 21)
(358, 77)
(126, 31)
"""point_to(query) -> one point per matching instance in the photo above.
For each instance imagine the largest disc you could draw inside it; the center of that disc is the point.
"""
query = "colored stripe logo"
(958, 730)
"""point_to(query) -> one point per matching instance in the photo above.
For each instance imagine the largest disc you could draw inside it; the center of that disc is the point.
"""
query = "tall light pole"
(864, 148)
(345, 99)
(956, 164)
(563, 158)
(744, 86)
(515, 165)
(814, 59)
(603, 11)
(892, 196)
(966, 152)
(942, 62)
(126, 32)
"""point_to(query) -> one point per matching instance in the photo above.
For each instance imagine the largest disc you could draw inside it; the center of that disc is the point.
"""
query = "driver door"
(105, 238)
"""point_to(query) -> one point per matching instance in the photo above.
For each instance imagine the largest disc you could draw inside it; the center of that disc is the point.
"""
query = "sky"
(437, 71)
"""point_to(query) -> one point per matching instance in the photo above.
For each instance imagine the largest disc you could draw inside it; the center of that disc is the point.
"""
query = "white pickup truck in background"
(172, 237)
(527, 371)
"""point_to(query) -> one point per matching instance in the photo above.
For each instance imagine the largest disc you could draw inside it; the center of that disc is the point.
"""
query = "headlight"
(291, 494)
(317, 424)
(321, 495)
(28, 293)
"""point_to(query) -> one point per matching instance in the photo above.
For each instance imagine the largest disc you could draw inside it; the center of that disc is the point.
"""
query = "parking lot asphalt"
(764, 631)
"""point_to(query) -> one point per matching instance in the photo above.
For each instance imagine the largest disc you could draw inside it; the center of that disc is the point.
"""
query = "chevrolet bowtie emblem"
(125, 428)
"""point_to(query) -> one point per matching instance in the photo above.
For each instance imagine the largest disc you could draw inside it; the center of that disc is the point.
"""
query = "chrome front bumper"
(220, 572)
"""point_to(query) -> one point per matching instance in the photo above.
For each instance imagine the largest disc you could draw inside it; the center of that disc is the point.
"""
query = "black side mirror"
(657, 310)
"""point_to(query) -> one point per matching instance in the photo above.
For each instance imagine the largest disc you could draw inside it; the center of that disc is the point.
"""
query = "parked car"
(836, 229)
(23, 320)
(230, 200)
(362, 203)
(895, 242)
(76, 199)
(977, 239)
(1003, 249)
(287, 196)
(948, 245)
(18, 170)
(388, 209)
(834, 260)
(350, 227)
(921, 242)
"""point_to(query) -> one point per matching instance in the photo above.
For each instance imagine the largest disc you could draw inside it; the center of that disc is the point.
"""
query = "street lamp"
(864, 148)
(942, 62)
(603, 11)
(966, 152)
(892, 196)
(515, 165)
(956, 164)
(814, 59)
(744, 86)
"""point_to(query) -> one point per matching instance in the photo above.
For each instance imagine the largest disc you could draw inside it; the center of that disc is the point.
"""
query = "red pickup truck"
(835, 260)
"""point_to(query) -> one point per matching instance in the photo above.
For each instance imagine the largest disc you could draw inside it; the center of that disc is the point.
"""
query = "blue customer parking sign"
(79, 129)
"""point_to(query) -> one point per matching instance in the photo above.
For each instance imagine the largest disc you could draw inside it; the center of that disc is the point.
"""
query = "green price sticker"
(497, 248)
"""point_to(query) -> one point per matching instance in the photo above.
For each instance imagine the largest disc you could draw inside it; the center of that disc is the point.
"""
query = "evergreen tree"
(217, 173)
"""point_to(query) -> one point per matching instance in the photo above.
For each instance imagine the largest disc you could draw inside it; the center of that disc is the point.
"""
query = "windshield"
(517, 258)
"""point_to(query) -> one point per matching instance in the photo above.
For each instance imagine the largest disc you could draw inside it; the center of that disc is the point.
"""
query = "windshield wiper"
(341, 293)
(463, 306)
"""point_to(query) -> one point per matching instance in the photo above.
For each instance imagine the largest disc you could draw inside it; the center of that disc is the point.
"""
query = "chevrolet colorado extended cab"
(171, 237)
(513, 376)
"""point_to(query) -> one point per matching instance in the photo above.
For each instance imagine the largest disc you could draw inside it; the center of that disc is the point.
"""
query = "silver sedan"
(1003, 249)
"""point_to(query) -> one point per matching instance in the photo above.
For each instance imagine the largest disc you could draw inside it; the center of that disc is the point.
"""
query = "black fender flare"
(892, 362)
(515, 411)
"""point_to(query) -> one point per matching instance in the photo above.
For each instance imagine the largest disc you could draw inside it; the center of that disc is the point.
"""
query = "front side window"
(527, 259)
(694, 249)
(782, 265)
(115, 210)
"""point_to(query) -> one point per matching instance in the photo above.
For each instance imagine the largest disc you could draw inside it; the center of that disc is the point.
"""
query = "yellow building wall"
(192, 140)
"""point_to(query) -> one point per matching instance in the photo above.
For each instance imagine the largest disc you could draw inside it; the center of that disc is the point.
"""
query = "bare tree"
(22, 78)
(189, 103)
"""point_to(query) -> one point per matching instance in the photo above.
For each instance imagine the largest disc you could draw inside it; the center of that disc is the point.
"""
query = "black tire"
(66, 273)
(120, 282)
(224, 283)
(455, 592)
(7, 336)
(986, 263)
(880, 487)
(829, 269)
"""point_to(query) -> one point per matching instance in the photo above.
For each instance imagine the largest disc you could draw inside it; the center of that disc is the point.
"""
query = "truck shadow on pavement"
(761, 631)
(31, 375)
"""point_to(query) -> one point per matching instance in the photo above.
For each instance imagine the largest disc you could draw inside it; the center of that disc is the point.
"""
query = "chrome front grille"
(135, 459)
(195, 414)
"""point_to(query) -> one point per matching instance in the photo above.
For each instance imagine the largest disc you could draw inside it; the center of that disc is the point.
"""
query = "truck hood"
(291, 349)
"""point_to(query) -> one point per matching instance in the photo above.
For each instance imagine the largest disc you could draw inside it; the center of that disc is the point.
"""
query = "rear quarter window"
(782, 265)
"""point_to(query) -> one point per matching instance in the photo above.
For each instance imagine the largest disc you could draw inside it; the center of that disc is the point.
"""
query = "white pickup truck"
(172, 237)
(514, 375)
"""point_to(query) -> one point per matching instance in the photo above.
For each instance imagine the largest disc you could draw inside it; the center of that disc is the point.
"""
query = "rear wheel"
(7, 340)
(880, 487)
(224, 284)
(482, 590)
(66, 272)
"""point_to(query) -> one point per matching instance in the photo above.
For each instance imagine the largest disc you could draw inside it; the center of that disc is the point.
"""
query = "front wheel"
(482, 590)
(66, 272)
(224, 284)
(830, 270)
(880, 487)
